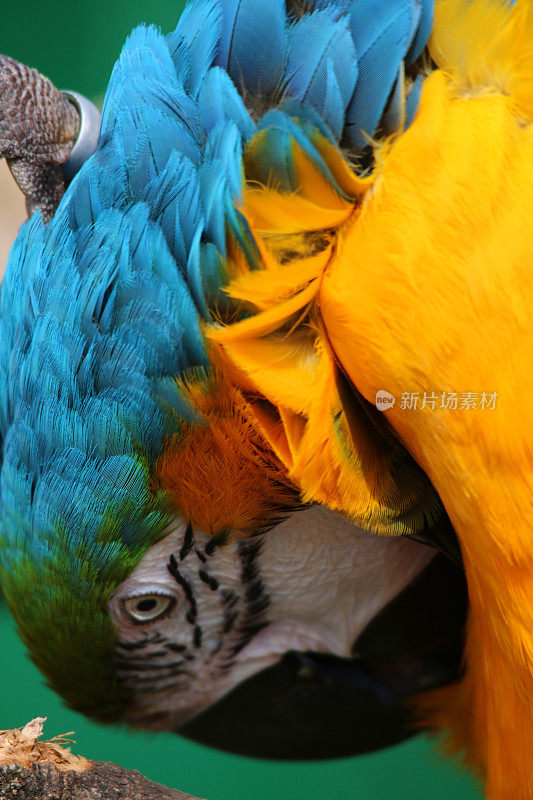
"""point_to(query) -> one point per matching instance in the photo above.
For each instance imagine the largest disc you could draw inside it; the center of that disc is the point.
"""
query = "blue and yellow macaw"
(294, 207)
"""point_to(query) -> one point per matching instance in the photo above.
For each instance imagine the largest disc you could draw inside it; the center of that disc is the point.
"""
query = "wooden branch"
(32, 770)
(100, 782)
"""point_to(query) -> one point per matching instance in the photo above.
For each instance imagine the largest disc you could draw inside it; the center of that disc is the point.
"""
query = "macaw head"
(170, 526)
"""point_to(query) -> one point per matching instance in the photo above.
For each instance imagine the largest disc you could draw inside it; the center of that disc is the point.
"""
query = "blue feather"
(382, 33)
(145, 56)
(220, 102)
(269, 158)
(270, 162)
(413, 100)
(99, 188)
(214, 276)
(213, 192)
(339, 6)
(195, 280)
(253, 43)
(173, 197)
(423, 31)
(394, 111)
(307, 118)
(315, 40)
(194, 43)
(224, 147)
(333, 107)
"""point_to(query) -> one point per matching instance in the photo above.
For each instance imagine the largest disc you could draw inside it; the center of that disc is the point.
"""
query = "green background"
(75, 44)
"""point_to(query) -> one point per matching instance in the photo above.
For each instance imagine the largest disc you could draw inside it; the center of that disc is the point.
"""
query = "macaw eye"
(147, 607)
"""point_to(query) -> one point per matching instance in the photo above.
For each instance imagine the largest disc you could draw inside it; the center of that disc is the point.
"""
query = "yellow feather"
(270, 211)
(486, 45)
(349, 182)
(277, 282)
(280, 369)
(313, 185)
(432, 291)
(266, 321)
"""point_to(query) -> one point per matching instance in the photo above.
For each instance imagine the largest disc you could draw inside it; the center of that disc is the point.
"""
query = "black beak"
(314, 706)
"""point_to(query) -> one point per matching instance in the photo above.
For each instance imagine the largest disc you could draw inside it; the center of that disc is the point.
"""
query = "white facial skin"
(311, 583)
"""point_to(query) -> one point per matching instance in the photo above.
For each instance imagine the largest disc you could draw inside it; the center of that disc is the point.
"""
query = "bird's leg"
(42, 184)
(38, 130)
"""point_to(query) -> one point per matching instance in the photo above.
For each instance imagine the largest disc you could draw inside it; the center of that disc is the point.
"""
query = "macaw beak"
(312, 706)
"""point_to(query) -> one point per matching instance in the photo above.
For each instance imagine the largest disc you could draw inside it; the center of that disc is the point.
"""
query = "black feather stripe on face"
(141, 666)
(151, 665)
(256, 600)
(187, 542)
(185, 585)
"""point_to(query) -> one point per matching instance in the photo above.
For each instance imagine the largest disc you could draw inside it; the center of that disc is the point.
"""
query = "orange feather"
(220, 473)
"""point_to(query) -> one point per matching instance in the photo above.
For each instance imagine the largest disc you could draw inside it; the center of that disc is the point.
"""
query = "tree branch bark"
(34, 770)
(102, 781)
